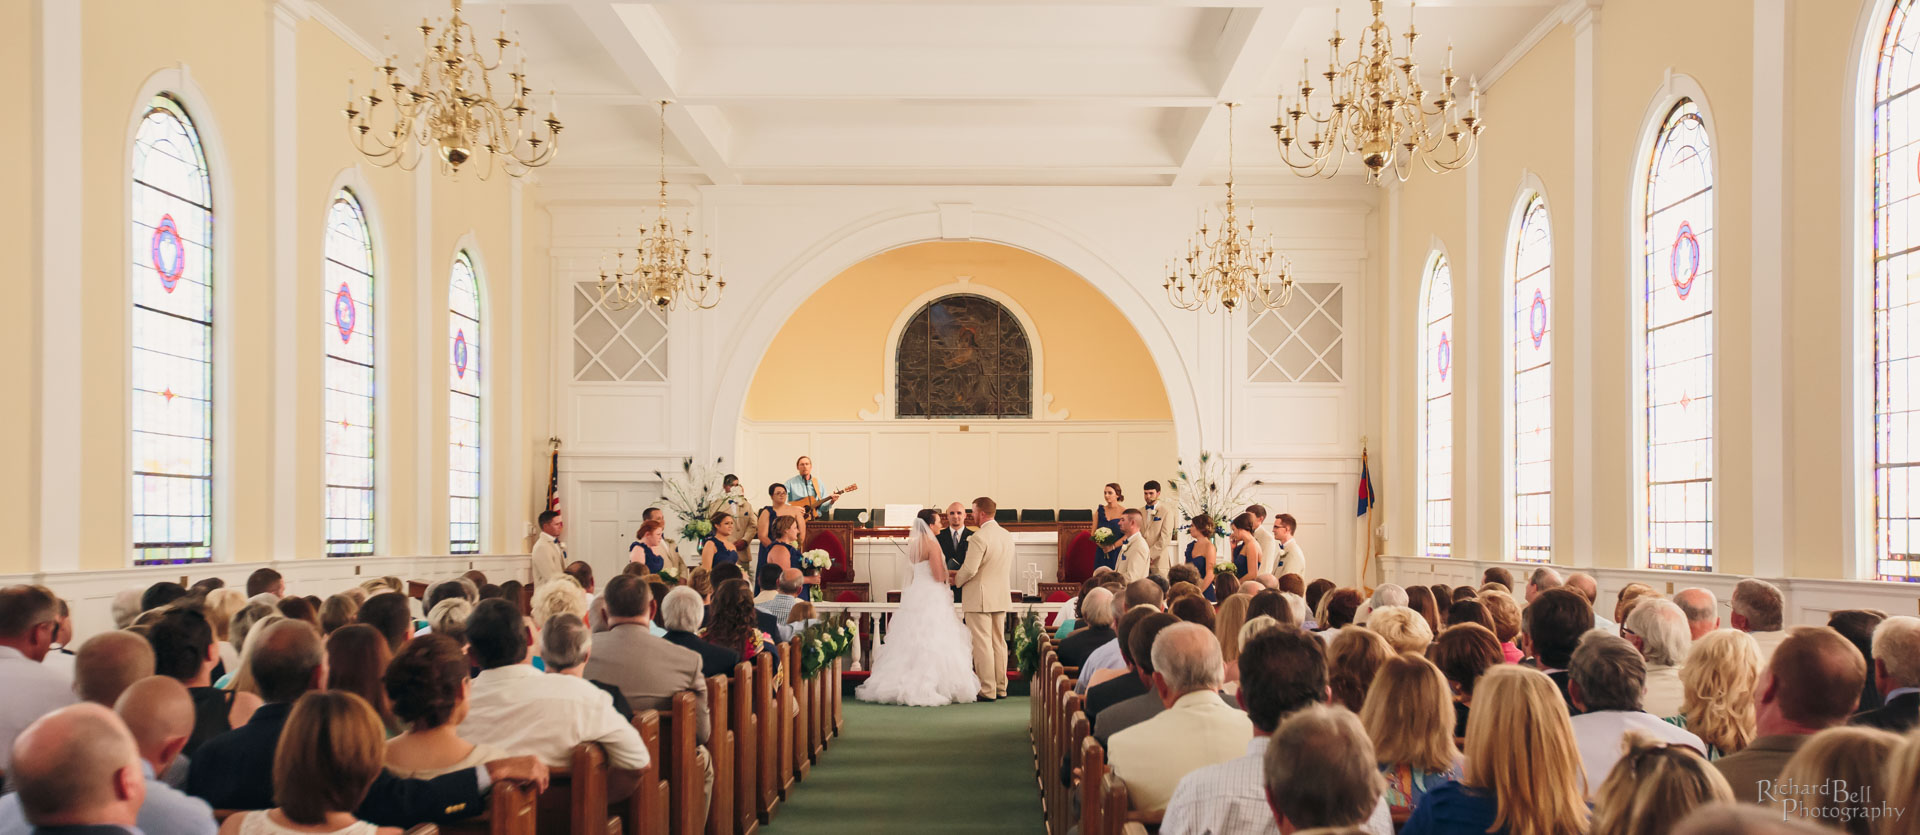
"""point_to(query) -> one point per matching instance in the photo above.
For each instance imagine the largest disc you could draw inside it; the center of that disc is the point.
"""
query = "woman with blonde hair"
(1523, 774)
(1352, 660)
(1902, 778)
(328, 757)
(1409, 716)
(1654, 786)
(1849, 755)
(1716, 702)
(1405, 629)
(1227, 620)
(1505, 613)
(241, 679)
(222, 604)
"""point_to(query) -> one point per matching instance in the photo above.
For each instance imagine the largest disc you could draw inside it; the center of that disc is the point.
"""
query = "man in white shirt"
(514, 707)
(1588, 587)
(1658, 629)
(1605, 683)
(1293, 558)
(788, 594)
(549, 554)
(1195, 731)
(1107, 656)
(1136, 560)
(1263, 537)
(1759, 610)
(29, 617)
(1702, 608)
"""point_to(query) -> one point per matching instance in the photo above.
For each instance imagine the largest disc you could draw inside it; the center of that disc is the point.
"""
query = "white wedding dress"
(926, 659)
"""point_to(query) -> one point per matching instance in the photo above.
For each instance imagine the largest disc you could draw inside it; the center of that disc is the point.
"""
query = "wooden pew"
(816, 714)
(510, 811)
(645, 812)
(679, 766)
(799, 732)
(575, 802)
(768, 708)
(1093, 772)
(746, 749)
(789, 768)
(1067, 745)
(1114, 804)
(720, 746)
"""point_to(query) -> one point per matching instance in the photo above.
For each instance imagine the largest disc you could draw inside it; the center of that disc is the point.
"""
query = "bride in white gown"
(926, 658)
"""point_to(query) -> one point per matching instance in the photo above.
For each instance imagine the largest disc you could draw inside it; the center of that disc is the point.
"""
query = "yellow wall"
(226, 48)
(1095, 367)
(20, 235)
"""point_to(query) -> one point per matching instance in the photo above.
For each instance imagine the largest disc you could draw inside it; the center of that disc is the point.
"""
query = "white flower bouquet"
(816, 560)
(1103, 537)
(1225, 567)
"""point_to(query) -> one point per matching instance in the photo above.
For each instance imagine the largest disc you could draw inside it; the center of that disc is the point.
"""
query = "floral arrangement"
(1225, 567)
(825, 642)
(668, 576)
(1026, 645)
(1214, 489)
(1103, 536)
(689, 496)
(816, 559)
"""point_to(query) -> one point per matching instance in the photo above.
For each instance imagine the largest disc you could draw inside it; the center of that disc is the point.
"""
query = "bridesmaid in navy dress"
(1109, 518)
(1244, 546)
(647, 546)
(1200, 552)
(717, 548)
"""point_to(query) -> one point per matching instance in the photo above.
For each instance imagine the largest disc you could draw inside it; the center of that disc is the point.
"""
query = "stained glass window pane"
(1896, 180)
(463, 408)
(350, 389)
(964, 356)
(171, 278)
(1533, 386)
(1436, 456)
(1679, 252)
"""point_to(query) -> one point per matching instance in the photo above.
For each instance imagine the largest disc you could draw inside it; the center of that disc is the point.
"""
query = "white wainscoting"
(1020, 463)
(89, 594)
(1808, 601)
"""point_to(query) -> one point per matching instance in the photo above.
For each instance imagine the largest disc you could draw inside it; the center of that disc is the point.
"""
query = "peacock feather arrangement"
(1213, 488)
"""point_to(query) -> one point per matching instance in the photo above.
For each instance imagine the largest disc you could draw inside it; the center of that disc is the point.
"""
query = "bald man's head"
(108, 663)
(289, 661)
(158, 711)
(1702, 610)
(77, 766)
(790, 581)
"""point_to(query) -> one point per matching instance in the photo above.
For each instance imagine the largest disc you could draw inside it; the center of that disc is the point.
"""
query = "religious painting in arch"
(964, 356)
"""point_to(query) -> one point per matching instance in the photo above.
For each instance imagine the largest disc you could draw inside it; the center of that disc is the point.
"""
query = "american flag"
(553, 483)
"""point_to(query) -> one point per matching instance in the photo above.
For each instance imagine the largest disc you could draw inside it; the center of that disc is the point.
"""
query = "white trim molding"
(59, 184)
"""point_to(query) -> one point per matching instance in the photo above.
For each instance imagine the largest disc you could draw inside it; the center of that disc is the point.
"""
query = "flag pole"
(1366, 529)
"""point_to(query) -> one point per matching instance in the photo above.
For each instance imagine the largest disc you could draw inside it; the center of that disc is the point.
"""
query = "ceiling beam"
(639, 43)
(1243, 54)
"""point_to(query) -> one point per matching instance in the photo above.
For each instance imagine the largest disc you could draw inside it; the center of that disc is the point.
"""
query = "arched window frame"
(886, 402)
(1678, 94)
(466, 405)
(1436, 438)
(1885, 434)
(342, 485)
(1529, 365)
(160, 530)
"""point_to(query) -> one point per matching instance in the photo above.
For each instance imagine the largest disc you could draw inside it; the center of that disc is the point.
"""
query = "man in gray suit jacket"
(649, 670)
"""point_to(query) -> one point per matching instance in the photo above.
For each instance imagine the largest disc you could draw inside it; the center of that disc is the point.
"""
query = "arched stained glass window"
(1533, 385)
(350, 379)
(1436, 439)
(1896, 263)
(964, 356)
(463, 408)
(1678, 315)
(172, 340)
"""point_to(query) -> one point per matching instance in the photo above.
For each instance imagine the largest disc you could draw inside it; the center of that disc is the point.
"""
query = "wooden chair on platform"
(745, 724)
(720, 747)
(645, 811)
(680, 766)
(768, 709)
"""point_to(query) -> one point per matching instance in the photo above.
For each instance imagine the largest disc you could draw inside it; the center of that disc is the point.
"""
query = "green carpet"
(964, 768)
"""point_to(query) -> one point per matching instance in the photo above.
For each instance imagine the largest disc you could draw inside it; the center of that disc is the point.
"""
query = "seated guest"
(564, 641)
(1630, 594)
(1193, 609)
(1716, 700)
(331, 759)
(681, 613)
(1743, 819)
(648, 669)
(1224, 586)
(1352, 659)
(1896, 673)
(1184, 573)
(1387, 594)
(1589, 588)
(1812, 683)
(78, 770)
(1606, 681)
(338, 610)
(559, 596)
(1315, 592)
(29, 617)
(1471, 610)
(1408, 715)
(108, 663)
(1421, 600)
(161, 594)
(1555, 620)
(1197, 729)
(787, 593)
(1496, 574)
(1271, 604)
(1097, 615)
(1117, 690)
(389, 614)
(1505, 613)
(1108, 656)
(1523, 770)
(733, 623)
(1658, 629)
(1464, 652)
(718, 576)
(1901, 776)
(1702, 608)
(1405, 629)
(1543, 579)
(513, 707)
(1319, 775)
(221, 605)
(266, 581)
(1758, 610)
(1288, 583)
(297, 608)
(357, 658)
(1857, 625)
(1654, 786)
(1853, 757)
(158, 714)
(1337, 611)
(1228, 620)
(183, 649)
(236, 770)
(1148, 704)
(428, 684)
(449, 618)
(242, 679)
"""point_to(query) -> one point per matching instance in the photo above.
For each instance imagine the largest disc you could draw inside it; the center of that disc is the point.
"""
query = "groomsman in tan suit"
(1156, 525)
(1293, 560)
(1135, 559)
(549, 556)
(1263, 537)
(986, 594)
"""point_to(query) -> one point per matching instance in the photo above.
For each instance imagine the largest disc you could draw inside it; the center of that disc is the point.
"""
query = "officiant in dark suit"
(953, 539)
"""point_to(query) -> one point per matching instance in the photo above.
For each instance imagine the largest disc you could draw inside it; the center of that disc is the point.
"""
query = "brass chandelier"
(1228, 269)
(662, 275)
(1378, 110)
(452, 109)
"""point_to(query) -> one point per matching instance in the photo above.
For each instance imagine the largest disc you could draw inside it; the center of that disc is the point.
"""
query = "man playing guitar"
(804, 490)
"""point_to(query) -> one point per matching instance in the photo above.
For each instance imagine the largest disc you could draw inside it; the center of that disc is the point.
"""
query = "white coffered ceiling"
(1121, 92)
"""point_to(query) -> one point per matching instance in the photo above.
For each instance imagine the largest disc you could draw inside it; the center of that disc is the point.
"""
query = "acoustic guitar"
(810, 506)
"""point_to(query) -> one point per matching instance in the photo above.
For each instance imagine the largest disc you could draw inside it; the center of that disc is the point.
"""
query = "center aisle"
(965, 768)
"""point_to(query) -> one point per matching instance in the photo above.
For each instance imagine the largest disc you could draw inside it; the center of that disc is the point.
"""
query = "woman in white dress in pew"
(926, 658)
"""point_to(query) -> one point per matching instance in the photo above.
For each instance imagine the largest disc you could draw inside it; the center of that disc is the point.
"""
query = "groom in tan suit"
(1136, 559)
(986, 594)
